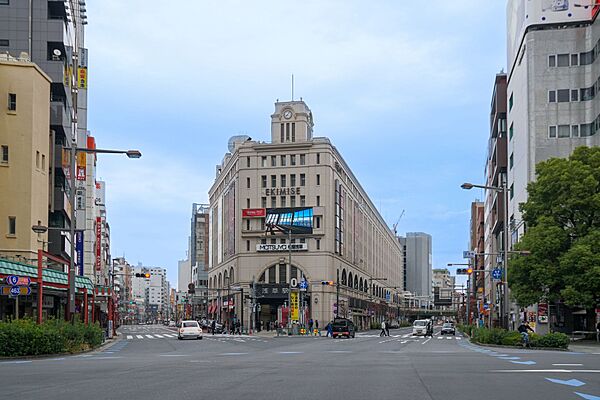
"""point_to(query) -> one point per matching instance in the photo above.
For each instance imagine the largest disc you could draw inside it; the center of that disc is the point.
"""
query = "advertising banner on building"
(98, 243)
(82, 78)
(294, 303)
(81, 165)
(254, 213)
(297, 219)
(543, 313)
(100, 193)
(79, 250)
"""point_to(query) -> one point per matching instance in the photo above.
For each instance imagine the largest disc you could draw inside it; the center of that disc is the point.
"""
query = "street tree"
(562, 215)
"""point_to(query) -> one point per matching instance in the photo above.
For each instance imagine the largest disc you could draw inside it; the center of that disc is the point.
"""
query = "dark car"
(343, 327)
(449, 329)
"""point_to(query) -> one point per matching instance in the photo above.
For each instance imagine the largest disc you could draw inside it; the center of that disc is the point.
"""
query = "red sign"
(98, 243)
(254, 213)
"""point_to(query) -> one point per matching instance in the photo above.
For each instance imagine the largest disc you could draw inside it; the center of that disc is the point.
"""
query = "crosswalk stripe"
(159, 336)
(440, 337)
(129, 337)
(139, 336)
(168, 335)
(149, 336)
(449, 338)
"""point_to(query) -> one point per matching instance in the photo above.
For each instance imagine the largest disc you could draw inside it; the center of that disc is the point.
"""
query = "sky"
(402, 89)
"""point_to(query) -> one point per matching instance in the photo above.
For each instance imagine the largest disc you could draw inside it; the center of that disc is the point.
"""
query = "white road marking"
(162, 337)
(567, 365)
(404, 341)
(232, 354)
(447, 337)
(421, 343)
(440, 337)
(566, 371)
(458, 338)
(290, 352)
(169, 335)
(139, 336)
(339, 351)
(129, 337)
(172, 355)
(150, 336)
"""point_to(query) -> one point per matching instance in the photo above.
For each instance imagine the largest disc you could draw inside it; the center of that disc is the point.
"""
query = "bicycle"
(525, 339)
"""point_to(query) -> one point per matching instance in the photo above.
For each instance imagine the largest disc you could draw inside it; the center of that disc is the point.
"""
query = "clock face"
(287, 114)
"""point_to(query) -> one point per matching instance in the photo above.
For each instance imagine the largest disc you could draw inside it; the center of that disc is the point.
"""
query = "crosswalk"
(221, 338)
(153, 336)
(409, 336)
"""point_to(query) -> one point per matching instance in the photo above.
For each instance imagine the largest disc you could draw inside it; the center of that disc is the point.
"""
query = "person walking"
(383, 329)
(598, 332)
(387, 329)
(310, 326)
(317, 327)
(213, 325)
(329, 329)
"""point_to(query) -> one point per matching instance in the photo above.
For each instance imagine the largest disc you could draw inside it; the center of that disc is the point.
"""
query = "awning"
(60, 279)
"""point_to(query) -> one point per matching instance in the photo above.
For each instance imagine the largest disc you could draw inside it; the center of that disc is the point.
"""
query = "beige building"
(24, 156)
(304, 176)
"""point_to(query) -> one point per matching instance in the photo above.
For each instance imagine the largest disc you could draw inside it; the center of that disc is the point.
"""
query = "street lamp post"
(504, 190)
(73, 150)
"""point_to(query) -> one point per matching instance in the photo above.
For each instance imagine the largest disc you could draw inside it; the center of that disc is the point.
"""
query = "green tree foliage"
(562, 214)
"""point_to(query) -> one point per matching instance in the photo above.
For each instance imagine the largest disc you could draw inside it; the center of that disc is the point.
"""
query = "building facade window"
(248, 162)
(551, 96)
(292, 159)
(282, 200)
(552, 61)
(273, 180)
(575, 131)
(302, 159)
(283, 161)
(512, 191)
(263, 181)
(510, 132)
(552, 131)
(283, 181)
(302, 179)
(562, 60)
(318, 179)
(563, 95)
(318, 244)
(248, 183)
(293, 131)
(511, 161)
(12, 226)
(273, 161)
(318, 158)
(273, 202)
(247, 203)
(263, 202)
(510, 102)
(293, 180)
(292, 201)
(318, 222)
(318, 201)
(564, 131)
(302, 201)
(575, 95)
(247, 224)
(4, 153)
(247, 245)
(4, 42)
(574, 60)
(282, 137)
(12, 102)
(263, 161)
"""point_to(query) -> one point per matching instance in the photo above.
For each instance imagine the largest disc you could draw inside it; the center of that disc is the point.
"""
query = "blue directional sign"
(303, 284)
(497, 273)
(12, 280)
(15, 291)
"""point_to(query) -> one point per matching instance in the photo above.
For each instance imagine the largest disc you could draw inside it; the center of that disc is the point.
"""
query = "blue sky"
(402, 89)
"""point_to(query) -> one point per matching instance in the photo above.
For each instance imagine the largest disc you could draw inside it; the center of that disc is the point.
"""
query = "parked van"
(420, 327)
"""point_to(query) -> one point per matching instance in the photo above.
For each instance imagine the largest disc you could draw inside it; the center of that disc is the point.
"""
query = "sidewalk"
(585, 346)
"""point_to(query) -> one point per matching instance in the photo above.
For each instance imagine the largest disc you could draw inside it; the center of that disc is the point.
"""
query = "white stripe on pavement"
(149, 336)
(129, 337)
(139, 336)
(567, 365)
(162, 337)
(423, 342)
(169, 335)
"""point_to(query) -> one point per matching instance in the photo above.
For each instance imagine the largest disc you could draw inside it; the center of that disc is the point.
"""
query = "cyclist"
(523, 328)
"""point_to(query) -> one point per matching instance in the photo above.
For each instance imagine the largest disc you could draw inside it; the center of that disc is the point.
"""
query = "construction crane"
(397, 222)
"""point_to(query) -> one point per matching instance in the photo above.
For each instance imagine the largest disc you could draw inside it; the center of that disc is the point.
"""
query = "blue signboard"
(15, 291)
(79, 251)
(303, 284)
(497, 273)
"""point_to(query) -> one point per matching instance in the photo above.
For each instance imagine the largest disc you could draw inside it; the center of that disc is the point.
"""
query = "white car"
(420, 327)
(172, 323)
(189, 329)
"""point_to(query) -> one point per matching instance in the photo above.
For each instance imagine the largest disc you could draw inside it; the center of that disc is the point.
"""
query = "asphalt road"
(148, 362)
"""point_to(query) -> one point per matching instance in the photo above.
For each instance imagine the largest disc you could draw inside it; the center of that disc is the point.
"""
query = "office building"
(418, 267)
(24, 157)
(300, 183)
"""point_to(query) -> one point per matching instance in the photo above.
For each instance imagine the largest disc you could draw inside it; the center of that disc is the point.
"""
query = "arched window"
(220, 281)
(225, 279)
(231, 275)
(344, 277)
(360, 284)
(355, 281)
(350, 282)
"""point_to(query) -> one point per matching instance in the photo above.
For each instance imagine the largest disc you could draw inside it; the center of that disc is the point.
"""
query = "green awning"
(49, 275)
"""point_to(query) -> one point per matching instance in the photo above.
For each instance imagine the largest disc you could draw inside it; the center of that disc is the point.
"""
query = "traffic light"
(142, 275)
(327, 283)
(469, 270)
(461, 271)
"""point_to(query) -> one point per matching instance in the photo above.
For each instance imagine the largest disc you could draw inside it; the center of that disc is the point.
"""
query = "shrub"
(558, 340)
(25, 337)
(512, 338)
(499, 336)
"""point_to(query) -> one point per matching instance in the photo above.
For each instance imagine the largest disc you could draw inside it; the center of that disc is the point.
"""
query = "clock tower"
(292, 122)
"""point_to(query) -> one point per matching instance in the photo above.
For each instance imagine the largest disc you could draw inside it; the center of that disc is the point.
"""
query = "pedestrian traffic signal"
(327, 283)
(142, 275)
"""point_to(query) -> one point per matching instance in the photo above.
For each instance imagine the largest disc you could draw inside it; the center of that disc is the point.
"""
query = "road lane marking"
(139, 336)
(129, 337)
(339, 351)
(570, 382)
(421, 343)
(150, 336)
(290, 352)
(169, 335)
(524, 362)
(162, 337)
(510, 358)
(232, 354)
(564, 371)
(172, 355)
(499, 355)
(567, 365)
(587, 396)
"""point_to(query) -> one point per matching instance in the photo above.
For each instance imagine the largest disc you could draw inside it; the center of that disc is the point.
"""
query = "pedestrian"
(213, 325)
(387, 329)
(598, 332)
(329, 329)
(317, 327)
(310, 326)
(383, 331)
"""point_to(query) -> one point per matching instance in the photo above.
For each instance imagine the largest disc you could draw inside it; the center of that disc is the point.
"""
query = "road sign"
(15, 280)
(497, 273)
(15, 291)
(294, 282)
(23, 290)
(468, 254)
(303, 285)
(486, 306)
